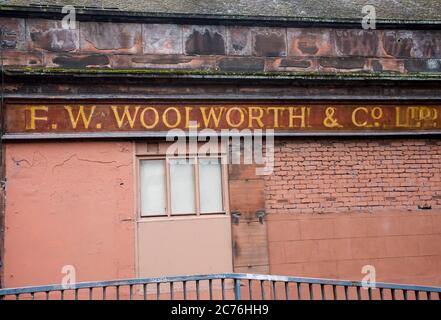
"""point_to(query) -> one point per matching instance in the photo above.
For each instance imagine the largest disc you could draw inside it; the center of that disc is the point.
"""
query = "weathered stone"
(105, 37)
(174, 62)
(21, 58)
(422, 65)
(342, 63)
(239, 41)
(49, 35)
(376, 66)
(291, 64)
(269, 42)
(162, 38)
(386, 65)
(399, 44)
(412, 44)
(356, 42)
(78, 61)
(309, 42)
(205, 40)
(14, 33)
(241, 64)
(427, 44)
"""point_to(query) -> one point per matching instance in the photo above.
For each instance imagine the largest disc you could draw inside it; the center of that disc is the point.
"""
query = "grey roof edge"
(115, 15)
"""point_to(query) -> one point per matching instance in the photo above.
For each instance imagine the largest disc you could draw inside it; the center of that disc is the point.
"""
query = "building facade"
(349, 118)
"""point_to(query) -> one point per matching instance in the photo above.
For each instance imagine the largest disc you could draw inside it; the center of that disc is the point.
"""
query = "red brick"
(377, 176)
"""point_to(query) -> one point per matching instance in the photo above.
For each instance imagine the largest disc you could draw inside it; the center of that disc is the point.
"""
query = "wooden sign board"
(42, 120)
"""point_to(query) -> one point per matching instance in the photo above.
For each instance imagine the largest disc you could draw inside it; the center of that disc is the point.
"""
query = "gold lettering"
(414, 113)
(398, 117)
(187, 118)
(142, 118)
(165, 120)
(75, 120)
(354, 117)
(428, 113)
(126, 114)
(377, 113)
(228, 117)
(293, 116)
(212, 115)
(33, 110)
(276, 114)
(252, 117)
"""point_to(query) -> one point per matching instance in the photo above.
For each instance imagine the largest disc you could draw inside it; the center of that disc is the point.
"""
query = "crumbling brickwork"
(329, 176)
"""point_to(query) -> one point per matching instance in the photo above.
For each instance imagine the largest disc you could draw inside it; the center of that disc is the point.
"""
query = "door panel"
(250, 248)
(200, 245)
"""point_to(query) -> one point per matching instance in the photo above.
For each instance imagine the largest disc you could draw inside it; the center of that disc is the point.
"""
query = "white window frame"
(168, 214)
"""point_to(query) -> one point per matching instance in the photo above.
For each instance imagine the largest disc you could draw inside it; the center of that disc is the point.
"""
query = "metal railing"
(228, 286)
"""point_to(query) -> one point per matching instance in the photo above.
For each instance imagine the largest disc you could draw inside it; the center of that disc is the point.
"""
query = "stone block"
(162, 38)
(269, 42)
(309, 42)
(353, 42)
(14, 33)
(104, 37)
(77, 61)
(241, 64)
(239, 41)
(163, 62)
(49, 35)
(205, 40)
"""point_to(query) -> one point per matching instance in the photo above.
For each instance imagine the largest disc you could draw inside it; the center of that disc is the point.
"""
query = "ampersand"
(330, 121)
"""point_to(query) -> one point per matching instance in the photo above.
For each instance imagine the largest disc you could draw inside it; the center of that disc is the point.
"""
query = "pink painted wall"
(69, 204)
(403, 246)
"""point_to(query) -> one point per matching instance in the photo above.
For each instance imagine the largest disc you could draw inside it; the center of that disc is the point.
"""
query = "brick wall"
(44, 43)
(326, 176)
(337, 205)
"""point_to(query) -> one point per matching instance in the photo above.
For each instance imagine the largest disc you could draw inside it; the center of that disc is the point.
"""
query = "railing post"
(237, 289)
(235, 285)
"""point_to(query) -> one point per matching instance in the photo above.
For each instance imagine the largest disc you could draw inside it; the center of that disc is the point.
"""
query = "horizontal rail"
(239, 280)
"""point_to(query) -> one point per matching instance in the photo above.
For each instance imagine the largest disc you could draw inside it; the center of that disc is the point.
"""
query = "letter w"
(212, 114)
(75, 120)
(126, 114)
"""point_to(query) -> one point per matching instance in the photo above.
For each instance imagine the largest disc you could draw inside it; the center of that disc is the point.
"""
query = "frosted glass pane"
(182, 187)
(153, 199)
(210, 185)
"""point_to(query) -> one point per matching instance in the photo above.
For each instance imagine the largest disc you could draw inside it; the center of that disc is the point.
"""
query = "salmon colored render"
(234, 152)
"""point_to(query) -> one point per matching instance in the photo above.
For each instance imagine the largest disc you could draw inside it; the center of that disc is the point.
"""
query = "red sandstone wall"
(43, 43)
(335, 206)
(69, 204)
